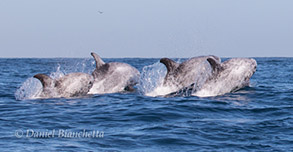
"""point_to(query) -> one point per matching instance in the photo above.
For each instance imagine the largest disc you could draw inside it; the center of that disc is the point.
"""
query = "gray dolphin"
(228, 76)
(70, 85)
(192, 72)
(113, 77)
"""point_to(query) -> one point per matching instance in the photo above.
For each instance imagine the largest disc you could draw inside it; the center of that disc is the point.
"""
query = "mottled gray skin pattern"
(113, 77)
(196, 71)
(70, 85)
(228, 76)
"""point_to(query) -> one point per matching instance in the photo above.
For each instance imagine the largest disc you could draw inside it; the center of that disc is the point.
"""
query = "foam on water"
(161, 91)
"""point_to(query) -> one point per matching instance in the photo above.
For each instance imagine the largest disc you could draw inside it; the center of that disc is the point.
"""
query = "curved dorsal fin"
(216, 65)
(99, 61)
(217, 59)
(170, 64)
(45, 80)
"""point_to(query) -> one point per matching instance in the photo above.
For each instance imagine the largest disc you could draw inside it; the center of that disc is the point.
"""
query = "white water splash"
(162, 90)
(30, 89)
(58, 73)
(151, 80)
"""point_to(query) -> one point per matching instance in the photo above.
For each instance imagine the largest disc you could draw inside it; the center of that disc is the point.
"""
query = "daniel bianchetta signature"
(58, 133)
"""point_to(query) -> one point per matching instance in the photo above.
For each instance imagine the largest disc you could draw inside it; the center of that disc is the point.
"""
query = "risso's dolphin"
(190, 73)
(70, 85)
(113, 77)
(228, 76)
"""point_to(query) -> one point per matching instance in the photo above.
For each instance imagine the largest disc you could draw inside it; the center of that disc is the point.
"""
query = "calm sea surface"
(256, 118)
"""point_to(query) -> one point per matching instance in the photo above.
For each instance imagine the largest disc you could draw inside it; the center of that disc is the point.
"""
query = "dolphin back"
(74, 84)
(113, 76)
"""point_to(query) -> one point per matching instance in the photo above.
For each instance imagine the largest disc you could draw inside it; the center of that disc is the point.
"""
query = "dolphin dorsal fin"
(99, 61)
(170, 64)
(215, 64)
(45, 80)
(217, 59)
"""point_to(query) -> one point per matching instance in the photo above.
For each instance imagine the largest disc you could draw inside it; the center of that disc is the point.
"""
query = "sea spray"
(151, 77)
(84, 66)
(30, 89)
(58, 73)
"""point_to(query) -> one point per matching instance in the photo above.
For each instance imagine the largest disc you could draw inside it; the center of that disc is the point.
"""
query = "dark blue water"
(256, 118)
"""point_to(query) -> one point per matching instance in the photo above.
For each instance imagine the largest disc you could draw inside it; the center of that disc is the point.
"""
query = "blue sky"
(146, 28)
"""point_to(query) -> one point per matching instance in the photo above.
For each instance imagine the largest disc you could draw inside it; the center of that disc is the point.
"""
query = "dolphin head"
(251, 66)
(241, 70)
(246, 66)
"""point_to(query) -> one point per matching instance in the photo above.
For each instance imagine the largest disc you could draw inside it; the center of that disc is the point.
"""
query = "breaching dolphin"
(228, 76)
(113, 77)
(190, 73)
(70, 85)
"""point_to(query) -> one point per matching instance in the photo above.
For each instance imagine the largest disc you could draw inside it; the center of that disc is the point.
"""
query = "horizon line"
(139, 57)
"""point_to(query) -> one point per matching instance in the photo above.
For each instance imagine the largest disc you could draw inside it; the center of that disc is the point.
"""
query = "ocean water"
(255, 118)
